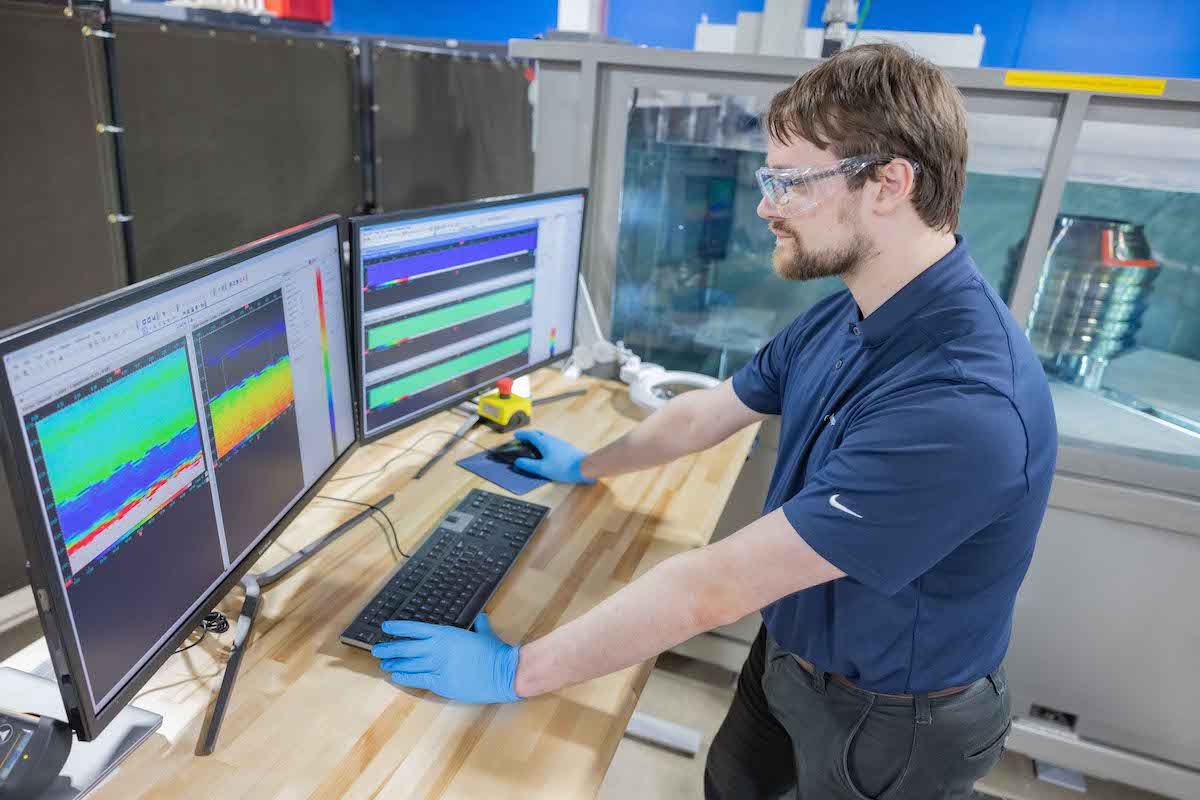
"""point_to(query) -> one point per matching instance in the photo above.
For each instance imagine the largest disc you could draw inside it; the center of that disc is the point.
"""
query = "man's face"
(825, 240)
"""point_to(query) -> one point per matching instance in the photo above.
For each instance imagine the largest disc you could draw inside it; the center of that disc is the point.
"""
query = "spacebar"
(473, 606)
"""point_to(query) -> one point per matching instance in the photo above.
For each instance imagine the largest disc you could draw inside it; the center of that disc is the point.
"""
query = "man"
(916, 452)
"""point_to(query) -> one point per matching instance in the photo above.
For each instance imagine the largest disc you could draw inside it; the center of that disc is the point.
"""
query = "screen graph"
(448, 300)
(398, 397)
(394, 340)
(116, 452)
(249, 394)
(432, 268)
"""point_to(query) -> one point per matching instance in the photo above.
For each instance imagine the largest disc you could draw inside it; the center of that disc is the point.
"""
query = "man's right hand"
(560, 460)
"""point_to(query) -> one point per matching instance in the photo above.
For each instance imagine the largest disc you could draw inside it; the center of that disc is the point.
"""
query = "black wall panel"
(231, 135)
(57, 186)
(449, 129)
(12, 552)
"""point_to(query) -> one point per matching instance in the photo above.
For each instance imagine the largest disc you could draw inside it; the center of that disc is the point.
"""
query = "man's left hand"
(474, 667)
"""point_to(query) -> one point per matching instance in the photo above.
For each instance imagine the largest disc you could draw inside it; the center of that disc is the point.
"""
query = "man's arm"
(683, 596)
(688, 423)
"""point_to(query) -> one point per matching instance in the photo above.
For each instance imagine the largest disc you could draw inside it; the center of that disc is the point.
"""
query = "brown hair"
(880, 99)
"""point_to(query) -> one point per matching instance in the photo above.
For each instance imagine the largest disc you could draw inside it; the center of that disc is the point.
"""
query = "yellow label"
(1111, 84)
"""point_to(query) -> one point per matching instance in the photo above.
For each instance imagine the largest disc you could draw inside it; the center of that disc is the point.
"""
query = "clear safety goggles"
(793, 191)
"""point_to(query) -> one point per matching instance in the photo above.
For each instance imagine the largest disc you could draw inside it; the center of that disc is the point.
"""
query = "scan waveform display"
(428, 329)
(396, 398)
(436, 267)
(249, 394)
(117, 451)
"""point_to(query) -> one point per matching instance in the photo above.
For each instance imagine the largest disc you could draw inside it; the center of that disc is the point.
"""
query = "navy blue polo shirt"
(916, 454)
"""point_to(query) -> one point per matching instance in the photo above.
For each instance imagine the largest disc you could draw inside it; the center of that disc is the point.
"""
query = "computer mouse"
(513, 449)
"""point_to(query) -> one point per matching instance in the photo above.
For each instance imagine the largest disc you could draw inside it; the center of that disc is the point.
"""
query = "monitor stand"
(461, 433)
(253, 584)
(89, 762)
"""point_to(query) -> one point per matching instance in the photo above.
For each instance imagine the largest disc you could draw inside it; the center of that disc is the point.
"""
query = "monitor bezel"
(356, 289)
(86, 720)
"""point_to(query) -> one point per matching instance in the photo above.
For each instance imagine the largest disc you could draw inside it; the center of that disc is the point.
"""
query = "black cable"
(403, 453)
(395, 536)
(213, 621)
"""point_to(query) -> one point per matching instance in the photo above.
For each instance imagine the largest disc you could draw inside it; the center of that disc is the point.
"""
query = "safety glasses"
(793, 191)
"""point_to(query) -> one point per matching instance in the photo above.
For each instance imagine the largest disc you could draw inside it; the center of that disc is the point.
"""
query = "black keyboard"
(456, 570)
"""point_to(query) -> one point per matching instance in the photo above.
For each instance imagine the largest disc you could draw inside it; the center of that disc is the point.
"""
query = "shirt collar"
(944, 274)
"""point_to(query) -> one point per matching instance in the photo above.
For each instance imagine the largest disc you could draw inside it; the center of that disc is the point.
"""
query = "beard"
(805, 265)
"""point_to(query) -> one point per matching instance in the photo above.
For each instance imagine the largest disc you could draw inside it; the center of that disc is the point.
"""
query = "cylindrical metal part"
(1091, 295)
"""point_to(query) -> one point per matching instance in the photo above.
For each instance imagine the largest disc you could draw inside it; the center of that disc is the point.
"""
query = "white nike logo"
(833, 501)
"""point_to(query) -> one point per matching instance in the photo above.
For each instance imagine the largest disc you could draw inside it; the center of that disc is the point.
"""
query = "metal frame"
(580, 129)
(85, 719)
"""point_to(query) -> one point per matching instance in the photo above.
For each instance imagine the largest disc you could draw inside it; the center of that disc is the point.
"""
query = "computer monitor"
(449, 299)
(158, 438)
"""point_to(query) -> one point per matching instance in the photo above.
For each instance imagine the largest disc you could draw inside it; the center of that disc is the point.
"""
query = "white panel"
(1084, 414)
(1114, 153)
(1106, 629)
(749, 29)
(1142, 156)
(1003, 144)
(715, 38)
(783, 24)
(577, 15)
(946, 49)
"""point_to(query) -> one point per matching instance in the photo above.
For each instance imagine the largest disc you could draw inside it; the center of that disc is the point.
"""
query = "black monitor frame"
(85, 720)
(356, 292)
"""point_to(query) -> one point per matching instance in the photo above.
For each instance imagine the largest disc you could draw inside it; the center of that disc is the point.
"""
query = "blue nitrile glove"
(559, 462)
(461, 665)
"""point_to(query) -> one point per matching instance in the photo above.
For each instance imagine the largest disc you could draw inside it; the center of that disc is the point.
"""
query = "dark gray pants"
(791, 733)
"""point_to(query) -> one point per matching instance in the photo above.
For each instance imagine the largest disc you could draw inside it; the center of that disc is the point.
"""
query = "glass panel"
(694, 287)
(1116, 319)
(1005, 163)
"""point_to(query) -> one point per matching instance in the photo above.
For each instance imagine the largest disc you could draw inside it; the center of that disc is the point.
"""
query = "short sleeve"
(915, 476)
(760, 383)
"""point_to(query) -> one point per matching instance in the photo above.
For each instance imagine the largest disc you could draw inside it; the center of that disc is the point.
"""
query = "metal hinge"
(115, 218)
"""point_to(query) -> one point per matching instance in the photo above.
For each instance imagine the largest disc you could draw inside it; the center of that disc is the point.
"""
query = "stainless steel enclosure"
(1107, 632)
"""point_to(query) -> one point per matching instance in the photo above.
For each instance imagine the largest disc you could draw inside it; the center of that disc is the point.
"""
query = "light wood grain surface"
(314, 718)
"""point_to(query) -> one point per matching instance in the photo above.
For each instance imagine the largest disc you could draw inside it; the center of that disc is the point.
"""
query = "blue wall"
(1131, 37)
(672, 23)
(472, 20)
(1127, 37)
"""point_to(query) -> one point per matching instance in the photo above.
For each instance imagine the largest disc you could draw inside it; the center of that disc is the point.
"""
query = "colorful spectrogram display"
(397, 390)
(247, 407)
(446, 316)
(250, 396)
(121, 452)
(247, 371)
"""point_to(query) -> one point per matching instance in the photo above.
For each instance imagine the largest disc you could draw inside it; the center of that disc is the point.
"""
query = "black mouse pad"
(502, 475)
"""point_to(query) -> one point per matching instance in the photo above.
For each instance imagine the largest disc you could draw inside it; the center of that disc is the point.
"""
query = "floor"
(650, 773)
